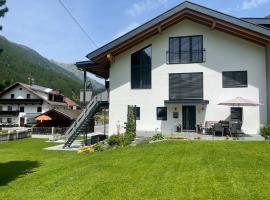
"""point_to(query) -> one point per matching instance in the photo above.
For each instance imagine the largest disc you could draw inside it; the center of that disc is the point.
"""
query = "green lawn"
(167, 170)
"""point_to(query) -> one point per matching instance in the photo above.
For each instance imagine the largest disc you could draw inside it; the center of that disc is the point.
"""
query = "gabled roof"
(99, 60)
(29, 88)
(71, 114)
(69, 102)
(183, 6)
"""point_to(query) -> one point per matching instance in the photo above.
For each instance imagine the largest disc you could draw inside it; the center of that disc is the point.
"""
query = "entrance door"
(189, 118)
(21, 122)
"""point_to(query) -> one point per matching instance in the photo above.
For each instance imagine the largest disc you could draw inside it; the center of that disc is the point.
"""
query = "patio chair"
(217, 127)
(236, 129)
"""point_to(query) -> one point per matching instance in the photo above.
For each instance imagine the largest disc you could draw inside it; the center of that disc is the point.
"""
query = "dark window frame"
(39, 109)
(237, 109)
(28, 96)
(188, 73)
(21, 108)
(131, 79)
(163, 118)
(9, 108)
(190, 50)
(9, 120)
(137, 112)
(12, 96)
(234, 86)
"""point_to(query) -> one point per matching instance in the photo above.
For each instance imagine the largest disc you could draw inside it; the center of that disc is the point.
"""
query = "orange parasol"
(43, 118)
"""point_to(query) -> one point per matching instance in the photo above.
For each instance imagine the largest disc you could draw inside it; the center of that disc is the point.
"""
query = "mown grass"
(167, 170)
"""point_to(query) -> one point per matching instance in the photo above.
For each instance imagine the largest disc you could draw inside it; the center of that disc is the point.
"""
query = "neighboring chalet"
(21, 103)
(178, 67)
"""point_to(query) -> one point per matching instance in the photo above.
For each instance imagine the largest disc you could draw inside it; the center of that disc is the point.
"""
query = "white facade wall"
(19, 93)
(224, 52)
(30, 110)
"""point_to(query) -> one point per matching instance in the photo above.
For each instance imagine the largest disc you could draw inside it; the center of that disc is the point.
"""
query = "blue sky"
(46, 27)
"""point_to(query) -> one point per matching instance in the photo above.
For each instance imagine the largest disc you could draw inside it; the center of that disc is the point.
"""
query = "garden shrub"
(157, 136)
(265, 131)
(128, 138)
(101, 146)
(115, 140)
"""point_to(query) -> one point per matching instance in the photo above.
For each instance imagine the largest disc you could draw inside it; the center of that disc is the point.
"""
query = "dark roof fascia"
(84, 64)
(185, 5)
(187, 101)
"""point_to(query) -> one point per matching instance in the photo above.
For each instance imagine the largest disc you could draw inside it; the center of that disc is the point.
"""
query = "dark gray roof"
(185, 5)
(258, 20)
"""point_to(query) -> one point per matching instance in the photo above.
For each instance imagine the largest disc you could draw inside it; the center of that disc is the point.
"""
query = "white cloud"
(144, 6)
(249, 4)
(126, 29)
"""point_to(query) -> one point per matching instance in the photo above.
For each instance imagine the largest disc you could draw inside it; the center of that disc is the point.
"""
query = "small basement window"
(161, 113)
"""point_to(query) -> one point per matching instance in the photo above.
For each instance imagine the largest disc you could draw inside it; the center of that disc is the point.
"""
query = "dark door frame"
(191, 116)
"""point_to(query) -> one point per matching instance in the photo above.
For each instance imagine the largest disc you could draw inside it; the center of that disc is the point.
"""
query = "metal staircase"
(79, 125)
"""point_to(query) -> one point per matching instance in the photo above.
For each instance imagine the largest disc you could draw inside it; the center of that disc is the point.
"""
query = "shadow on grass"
(13, 170)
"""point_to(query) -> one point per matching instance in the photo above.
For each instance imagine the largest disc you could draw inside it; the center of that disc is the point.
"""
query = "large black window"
(236, 113)
(161, 113)
(186, 86)
(28, 96)
(188, 49)
(141, 68)
(9, 108)
(12, 96)
(234, 79)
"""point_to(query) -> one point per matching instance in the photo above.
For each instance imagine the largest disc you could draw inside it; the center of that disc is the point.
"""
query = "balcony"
(9, 113)
(21, 101)
(185, 57)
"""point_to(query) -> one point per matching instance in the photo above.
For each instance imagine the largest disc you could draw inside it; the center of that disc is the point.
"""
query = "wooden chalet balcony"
(9, 113)
(21, 101)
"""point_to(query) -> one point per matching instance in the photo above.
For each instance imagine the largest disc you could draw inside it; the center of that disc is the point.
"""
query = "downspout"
(267, 51)
(84, 88)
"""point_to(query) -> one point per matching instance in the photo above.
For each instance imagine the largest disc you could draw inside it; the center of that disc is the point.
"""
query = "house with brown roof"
(178, 67)
(21, 103)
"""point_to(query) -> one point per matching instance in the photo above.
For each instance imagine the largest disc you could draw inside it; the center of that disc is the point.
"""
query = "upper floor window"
(39, 109)
(186, 86)
(234, 79)
(1, 108)
(28, 96)
(141, 67)
(9, 108)
(12, 96)
(187, 49)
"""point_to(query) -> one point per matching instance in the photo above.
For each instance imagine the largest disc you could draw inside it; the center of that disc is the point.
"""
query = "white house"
(21, 103)
(179, 66)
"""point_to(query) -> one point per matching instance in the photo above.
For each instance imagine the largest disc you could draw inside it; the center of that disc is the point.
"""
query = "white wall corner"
(267, 51)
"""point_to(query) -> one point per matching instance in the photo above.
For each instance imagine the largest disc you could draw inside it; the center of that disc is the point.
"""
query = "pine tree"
(3, 10)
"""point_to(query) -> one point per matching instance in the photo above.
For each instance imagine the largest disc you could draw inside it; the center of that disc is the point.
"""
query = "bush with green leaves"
(157, 136)
(115, 140)
(265, 131)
